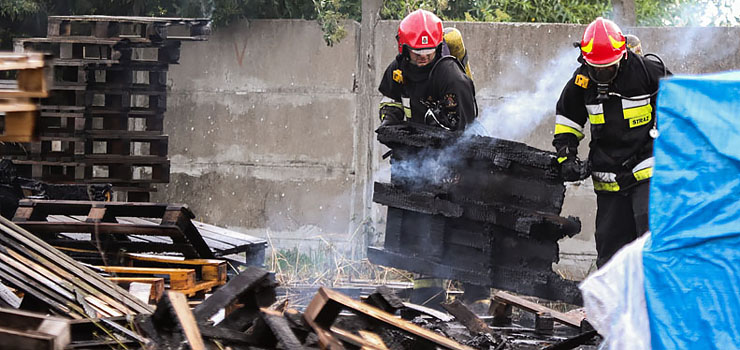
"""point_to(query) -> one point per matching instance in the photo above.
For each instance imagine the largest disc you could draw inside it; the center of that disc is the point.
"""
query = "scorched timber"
(474, 209)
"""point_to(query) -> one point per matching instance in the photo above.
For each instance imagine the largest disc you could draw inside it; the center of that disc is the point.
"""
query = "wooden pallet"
(17, 96)
(144, 29)
(103, 232)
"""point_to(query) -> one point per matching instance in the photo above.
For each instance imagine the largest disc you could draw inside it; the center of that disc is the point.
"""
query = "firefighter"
(615, 90)
(429, 82)
(425, 83)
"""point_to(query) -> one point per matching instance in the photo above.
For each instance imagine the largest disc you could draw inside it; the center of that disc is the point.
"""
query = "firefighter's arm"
(391, 109)
(570, 119)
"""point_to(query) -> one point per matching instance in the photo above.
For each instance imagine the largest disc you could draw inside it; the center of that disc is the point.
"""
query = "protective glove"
(573, 169)
(390, 115)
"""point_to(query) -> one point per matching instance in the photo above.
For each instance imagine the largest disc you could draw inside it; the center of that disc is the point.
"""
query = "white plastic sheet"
(614, 299)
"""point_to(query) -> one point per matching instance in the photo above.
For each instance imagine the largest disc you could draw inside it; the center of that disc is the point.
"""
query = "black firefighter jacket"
(442, 81)
(621, 148)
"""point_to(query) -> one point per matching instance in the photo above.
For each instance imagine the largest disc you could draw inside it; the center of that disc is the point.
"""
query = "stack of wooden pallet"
(103, 121)
(18, 97)
(119, 239)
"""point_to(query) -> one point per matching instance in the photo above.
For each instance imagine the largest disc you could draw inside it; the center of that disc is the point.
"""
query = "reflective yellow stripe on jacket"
(607, 182)
(595, 114)
(563, 125)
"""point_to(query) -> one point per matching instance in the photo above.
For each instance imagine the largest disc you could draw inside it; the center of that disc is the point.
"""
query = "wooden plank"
(179, 278)
(186, 319)
(373, 339)
(468, 319)
(326, 305)
(327, 340)
(211, 269)
(239, 286)
(352, 339)
(100, 228)
(568, 320)
(156, 285)
(280, 329)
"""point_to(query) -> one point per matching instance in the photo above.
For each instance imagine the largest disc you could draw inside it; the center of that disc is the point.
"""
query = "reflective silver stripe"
(595, 109)
(563, 120)
(406, 102)
(386, 99)
(647, 163)
(604, 177)
(644, 99)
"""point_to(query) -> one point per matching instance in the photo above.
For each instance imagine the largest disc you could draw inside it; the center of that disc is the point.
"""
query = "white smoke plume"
(519, 114)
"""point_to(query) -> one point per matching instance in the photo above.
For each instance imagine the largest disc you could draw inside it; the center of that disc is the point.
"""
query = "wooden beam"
(468, 319)
(186, 320)
(573, 321)
(326, 305)
(179, 278)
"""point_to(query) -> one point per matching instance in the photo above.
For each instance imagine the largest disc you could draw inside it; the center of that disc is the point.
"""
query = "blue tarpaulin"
(692, 260)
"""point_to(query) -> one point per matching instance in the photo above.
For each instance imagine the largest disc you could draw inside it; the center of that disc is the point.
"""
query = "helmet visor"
(603, 75)
(423, 52)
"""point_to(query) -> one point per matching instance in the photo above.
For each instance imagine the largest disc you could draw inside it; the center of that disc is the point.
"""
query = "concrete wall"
(269, 129)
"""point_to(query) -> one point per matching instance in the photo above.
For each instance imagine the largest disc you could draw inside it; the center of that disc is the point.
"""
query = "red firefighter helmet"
(603, 43)
(421, 29)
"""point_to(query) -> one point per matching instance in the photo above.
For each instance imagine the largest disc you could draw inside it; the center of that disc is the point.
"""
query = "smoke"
(521, 112)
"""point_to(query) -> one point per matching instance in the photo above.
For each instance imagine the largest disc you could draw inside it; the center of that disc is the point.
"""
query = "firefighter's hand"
(573, 169)
(390, 115)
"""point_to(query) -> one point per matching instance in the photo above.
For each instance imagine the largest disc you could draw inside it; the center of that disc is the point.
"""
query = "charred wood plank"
(172, 323)
(280, 329)
(468, 319)
(385, 299)
(327, 304)
(253, 287)
(568, 320)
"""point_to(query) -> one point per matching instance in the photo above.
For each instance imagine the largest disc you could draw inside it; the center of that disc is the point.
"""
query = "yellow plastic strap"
(637, 111)
(562, 159)
(643, 174)
(606, 186)
(564, 129)
(428, 283)
(596, 119)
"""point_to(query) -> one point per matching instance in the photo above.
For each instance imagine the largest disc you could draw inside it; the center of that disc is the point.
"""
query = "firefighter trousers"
(621, 217)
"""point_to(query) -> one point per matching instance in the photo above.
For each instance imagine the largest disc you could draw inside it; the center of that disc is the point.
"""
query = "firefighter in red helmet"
(424, 83)
(614, 90)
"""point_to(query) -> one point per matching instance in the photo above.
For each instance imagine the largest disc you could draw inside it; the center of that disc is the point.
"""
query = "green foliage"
(17, 8)
(554, 11)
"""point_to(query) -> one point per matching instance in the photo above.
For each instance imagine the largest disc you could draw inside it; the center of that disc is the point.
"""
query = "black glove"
(390, 115)
(573, 169)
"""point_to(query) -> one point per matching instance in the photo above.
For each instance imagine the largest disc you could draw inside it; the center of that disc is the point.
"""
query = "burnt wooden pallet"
(132, 28)
(105, 232)
(327, 304)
